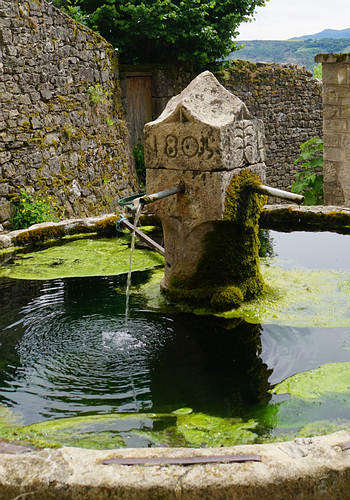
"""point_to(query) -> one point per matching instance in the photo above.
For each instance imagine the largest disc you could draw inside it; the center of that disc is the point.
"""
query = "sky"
(283, 19)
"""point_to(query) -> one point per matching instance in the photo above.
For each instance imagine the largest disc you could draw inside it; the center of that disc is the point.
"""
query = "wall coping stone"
(332, 58)
(283, 217)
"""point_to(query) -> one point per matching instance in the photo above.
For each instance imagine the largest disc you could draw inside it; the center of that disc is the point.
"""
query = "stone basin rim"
(314, 467)
(275, 216)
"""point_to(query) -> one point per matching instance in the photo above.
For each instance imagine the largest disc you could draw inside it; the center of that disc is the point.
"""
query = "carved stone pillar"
(203, 138)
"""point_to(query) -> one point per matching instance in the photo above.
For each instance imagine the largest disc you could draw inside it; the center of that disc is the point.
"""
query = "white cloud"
(283, 19)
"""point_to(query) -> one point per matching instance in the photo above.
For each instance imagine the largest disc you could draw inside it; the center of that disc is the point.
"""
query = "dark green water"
(65, 351)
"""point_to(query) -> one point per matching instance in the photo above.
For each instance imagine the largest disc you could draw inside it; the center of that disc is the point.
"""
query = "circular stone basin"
(169, 378)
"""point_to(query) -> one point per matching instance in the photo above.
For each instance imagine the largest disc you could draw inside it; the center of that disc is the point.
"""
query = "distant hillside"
(325, 34)
(301, 52)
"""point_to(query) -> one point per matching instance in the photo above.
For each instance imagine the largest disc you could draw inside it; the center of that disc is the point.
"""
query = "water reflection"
(210, 364)
(322, 250)
(65, 351)
(70, 353)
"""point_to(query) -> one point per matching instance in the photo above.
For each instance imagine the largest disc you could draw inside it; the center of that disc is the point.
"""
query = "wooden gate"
(137, 98)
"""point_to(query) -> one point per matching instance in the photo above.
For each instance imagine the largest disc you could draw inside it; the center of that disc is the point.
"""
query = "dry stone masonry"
(336, 128)
(289, 102)
(62, 131)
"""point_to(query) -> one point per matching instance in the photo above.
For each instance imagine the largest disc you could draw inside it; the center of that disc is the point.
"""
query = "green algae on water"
(327, 379)
(314, 402)
(134, 430)
(80, 257)
(298, 297)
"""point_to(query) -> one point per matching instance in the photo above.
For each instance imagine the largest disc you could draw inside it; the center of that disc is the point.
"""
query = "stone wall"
(62, 132)
(286, 97)
(336, 128)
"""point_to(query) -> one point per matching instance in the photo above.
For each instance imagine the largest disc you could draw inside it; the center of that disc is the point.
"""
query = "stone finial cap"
(204, 100)
(205, 128)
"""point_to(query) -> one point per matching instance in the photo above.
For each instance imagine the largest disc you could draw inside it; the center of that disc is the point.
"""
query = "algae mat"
(80, 257)
(120, 430)
(300, 297)
(296, 297)
(309, 403)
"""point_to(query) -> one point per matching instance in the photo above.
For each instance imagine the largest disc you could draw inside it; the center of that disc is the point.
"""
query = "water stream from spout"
(132, 246)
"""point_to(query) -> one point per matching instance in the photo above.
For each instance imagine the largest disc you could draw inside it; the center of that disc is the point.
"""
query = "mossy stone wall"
(62, 131)
(286, 97)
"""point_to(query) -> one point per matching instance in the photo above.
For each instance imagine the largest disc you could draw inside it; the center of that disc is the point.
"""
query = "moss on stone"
(228, 272)
(294, 218)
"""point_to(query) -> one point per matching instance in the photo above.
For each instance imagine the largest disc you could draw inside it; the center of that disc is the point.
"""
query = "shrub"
(309, 181)
(29, 210)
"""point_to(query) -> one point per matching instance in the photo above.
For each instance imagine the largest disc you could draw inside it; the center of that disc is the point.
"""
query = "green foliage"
(73, 9)
(309, 181)
(29, 210)
(158, 31)
(139, 157)
(317, 71)
(96, 94)
(301, 52)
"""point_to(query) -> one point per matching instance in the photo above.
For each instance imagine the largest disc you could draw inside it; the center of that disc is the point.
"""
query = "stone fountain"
(203, 139)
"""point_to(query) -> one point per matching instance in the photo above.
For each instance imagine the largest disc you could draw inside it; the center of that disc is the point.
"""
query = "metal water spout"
(280, 193)
(132, 202)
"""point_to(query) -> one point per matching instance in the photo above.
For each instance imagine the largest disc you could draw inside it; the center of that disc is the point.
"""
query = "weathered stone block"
(188, 135)
(331, 140)
(336, 125)
(6, 211)
(333, 154)
(5, 36)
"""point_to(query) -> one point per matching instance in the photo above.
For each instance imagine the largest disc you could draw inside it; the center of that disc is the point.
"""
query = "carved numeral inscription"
(171, 146)
(205, 151)
(189, 146)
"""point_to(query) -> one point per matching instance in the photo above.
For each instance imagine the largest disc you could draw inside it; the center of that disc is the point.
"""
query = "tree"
(159, 31)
